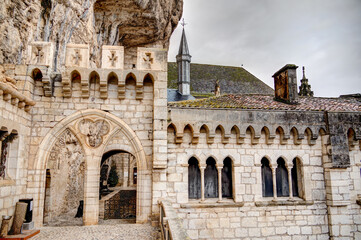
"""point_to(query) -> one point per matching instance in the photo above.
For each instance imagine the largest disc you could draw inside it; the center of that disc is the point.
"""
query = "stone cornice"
(9, 93)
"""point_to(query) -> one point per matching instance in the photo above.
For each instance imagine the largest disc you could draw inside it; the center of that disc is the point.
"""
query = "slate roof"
(267, 102)
(173, 96)
(232, 80)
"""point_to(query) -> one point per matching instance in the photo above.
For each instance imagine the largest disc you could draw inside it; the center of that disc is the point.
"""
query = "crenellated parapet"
(242, 123)
(147, 65)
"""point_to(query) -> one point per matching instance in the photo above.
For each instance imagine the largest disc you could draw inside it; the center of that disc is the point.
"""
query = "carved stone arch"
(148, 77)
(352, 139)
(172, 133)
(130, 86)
(115, 146)
(93, 159)
(109, 85)
(283, 133)
(311, 135)
(225, 135)
(297, 137)
(322, 131)
(196, 157)
(255, 135)
(39, 77)
(146, 88)
(94, 83)
(209, 135)
(232, 159)
(269, 135)
(190, 128)
(269, 160)
(74, 78)
(130, 76)
(218, 160)
(287, 163)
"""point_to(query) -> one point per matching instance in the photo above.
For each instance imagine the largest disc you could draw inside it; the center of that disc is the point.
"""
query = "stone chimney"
(305, 88)
(183, 62)
(285, 81)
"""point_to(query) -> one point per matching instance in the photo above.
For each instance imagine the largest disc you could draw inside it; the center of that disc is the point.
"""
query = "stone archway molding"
(92, 161)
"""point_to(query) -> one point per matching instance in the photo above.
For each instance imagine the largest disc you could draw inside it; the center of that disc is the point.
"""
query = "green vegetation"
(113, 177)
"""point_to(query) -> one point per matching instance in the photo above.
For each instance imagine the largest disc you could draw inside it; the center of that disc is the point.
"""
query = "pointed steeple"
(183, 62)
(183, 47)
(305, 88)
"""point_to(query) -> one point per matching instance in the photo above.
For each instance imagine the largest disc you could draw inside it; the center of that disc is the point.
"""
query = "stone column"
(125, 161)
(289, 169)
(219, 169)
(202, 168)
(91, 190)
(274, 183)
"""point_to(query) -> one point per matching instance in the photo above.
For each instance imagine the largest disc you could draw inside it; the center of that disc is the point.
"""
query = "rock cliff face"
(128, 23)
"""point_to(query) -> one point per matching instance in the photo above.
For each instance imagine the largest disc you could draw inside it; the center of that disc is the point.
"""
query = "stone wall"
(249, 214)
(103, 110)
(14, 119)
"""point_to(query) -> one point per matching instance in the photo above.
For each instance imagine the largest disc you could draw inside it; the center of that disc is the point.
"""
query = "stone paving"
(106, 230)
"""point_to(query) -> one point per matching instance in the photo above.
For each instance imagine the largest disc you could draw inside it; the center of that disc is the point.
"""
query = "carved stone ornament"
(66, 147)
(94, 131)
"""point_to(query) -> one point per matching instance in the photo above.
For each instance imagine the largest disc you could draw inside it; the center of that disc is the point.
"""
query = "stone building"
(228, 167)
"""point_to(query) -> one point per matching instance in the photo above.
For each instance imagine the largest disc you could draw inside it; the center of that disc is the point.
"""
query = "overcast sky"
(264, 35)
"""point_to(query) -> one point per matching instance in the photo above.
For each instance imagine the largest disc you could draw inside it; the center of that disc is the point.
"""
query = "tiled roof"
(267, 102)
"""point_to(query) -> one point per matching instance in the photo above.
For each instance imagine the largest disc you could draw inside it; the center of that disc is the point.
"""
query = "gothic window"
(194, 179)
(296, 174)
(282, 179)
(227, 190)
(5, 139)
(267, 180)
(211, 179)
(295, 178)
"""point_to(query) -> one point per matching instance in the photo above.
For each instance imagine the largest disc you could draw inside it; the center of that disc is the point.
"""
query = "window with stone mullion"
(282, 179)
(267, 179)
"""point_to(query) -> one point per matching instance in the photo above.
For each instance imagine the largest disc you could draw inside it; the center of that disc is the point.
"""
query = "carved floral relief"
(94, 131)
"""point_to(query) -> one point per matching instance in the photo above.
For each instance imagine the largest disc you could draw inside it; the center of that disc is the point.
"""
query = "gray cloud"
(264, 35)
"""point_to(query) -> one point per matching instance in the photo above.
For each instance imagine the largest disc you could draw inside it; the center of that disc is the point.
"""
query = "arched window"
(267, 180)
(194, 179)
(296, 173)
(5, 141)
(211, 179)
(227, 190)
(282, 179)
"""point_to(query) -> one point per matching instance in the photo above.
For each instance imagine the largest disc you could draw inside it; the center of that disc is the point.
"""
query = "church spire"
(183, 62)
(183, 47)
(305, 88)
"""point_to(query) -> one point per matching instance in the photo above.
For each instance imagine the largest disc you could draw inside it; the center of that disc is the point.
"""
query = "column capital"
(202, 166)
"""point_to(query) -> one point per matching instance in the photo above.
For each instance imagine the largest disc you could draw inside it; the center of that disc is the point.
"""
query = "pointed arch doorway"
(118, 136)
(118, 185)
